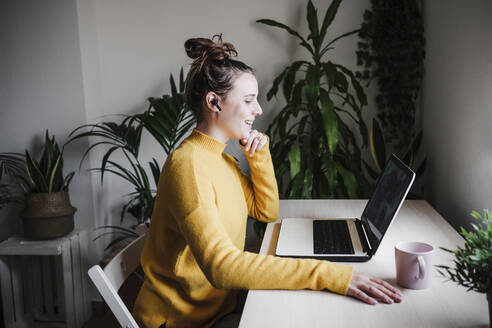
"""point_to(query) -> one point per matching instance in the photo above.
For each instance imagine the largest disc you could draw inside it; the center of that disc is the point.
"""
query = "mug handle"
(421, 274)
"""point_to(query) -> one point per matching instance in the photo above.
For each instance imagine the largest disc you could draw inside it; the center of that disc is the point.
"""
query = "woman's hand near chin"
(254, 142)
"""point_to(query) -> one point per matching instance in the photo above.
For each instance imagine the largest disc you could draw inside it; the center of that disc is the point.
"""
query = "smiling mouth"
(248, 122)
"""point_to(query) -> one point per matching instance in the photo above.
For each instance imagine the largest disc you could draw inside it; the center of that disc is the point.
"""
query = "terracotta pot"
(48, 215)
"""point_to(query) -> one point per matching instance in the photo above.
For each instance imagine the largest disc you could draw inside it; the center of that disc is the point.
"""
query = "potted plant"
(473, 261)
(48, 212)
(42, 188)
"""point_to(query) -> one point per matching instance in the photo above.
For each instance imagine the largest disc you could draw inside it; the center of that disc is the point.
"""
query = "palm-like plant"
(125, 137)
(13, 168)
(9, 196)
(14, 165)
(13, 178)
(324, 155)
(167, 120)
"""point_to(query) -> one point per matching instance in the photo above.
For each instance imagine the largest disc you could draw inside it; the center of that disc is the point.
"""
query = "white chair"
(109, 280)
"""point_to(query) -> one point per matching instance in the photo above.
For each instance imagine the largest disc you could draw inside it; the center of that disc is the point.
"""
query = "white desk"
(445, 304)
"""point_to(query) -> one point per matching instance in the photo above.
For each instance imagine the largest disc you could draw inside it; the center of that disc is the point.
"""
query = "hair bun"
(207, 48)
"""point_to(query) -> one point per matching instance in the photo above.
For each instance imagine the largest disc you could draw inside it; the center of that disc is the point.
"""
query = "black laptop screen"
(390, 191)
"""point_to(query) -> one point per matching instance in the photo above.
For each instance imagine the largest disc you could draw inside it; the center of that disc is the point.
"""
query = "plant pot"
(48, 215)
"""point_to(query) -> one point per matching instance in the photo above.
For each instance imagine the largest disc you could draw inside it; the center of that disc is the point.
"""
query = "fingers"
(375, 291)
(388, 290)
(250, 139)
(359, 294)
(254, 142)
(263, 142)
(254, 145)
(371, 290)
(389, 286)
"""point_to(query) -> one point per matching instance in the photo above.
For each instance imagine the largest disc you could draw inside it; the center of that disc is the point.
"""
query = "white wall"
(68, 62)
(64, 63)
(129, 49)
(457, 107)
(41, 88)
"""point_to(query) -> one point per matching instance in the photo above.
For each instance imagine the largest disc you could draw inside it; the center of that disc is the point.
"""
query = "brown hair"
(213, 69)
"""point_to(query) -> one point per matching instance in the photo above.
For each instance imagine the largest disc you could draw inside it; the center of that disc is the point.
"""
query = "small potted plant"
(48, 213)
(473, 261)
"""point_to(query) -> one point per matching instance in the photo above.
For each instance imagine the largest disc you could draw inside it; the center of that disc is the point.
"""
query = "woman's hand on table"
(254, 142)
(369, 290)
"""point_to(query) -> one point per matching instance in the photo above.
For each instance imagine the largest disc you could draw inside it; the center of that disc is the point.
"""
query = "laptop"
(350, 239)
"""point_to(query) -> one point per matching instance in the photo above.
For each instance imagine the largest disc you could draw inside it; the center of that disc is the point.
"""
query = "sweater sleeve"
(261, 191)
(227, 267)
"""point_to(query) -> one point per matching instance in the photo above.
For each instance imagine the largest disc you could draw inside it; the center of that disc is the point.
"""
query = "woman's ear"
(212, 102)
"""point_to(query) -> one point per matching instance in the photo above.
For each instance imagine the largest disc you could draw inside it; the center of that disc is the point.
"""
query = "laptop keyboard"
(332, 237)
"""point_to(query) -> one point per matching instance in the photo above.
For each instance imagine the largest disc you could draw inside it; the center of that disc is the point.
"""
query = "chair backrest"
(109, 280)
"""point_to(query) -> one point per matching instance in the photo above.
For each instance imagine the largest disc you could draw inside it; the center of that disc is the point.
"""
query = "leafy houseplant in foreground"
(324, 157)
(167, 120)
(473, 262)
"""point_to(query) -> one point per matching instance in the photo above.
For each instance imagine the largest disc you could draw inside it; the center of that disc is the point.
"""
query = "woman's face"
(240, 107)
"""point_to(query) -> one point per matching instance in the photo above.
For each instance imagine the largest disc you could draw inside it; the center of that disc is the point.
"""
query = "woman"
(193, 258)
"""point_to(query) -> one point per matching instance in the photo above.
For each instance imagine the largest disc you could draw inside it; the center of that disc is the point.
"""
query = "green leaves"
(329, 16)
(316, 35)
(125, 136)
(312, 18)
(378, 147)
(395, 61)
(47, 174)
(329, 120)
(473, 261)
(295, 160)
(348, 180)
(378, 152)
(14, 166)
(290, 78)
(271, 22)
(312, 84)
(167, 120)
(273, 90)
(322, 152)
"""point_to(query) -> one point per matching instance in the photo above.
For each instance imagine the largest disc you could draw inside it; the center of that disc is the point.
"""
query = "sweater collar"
(207, 142)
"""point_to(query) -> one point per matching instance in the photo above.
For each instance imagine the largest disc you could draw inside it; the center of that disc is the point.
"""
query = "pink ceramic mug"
(413, 264)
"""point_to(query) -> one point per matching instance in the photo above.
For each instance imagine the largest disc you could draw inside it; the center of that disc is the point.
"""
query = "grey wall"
(457, 107)
(64, 63)
(41, 88)
(67, 62)
(130, 48)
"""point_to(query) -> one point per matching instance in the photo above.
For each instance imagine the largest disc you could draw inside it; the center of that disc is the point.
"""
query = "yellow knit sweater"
(194, 256)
